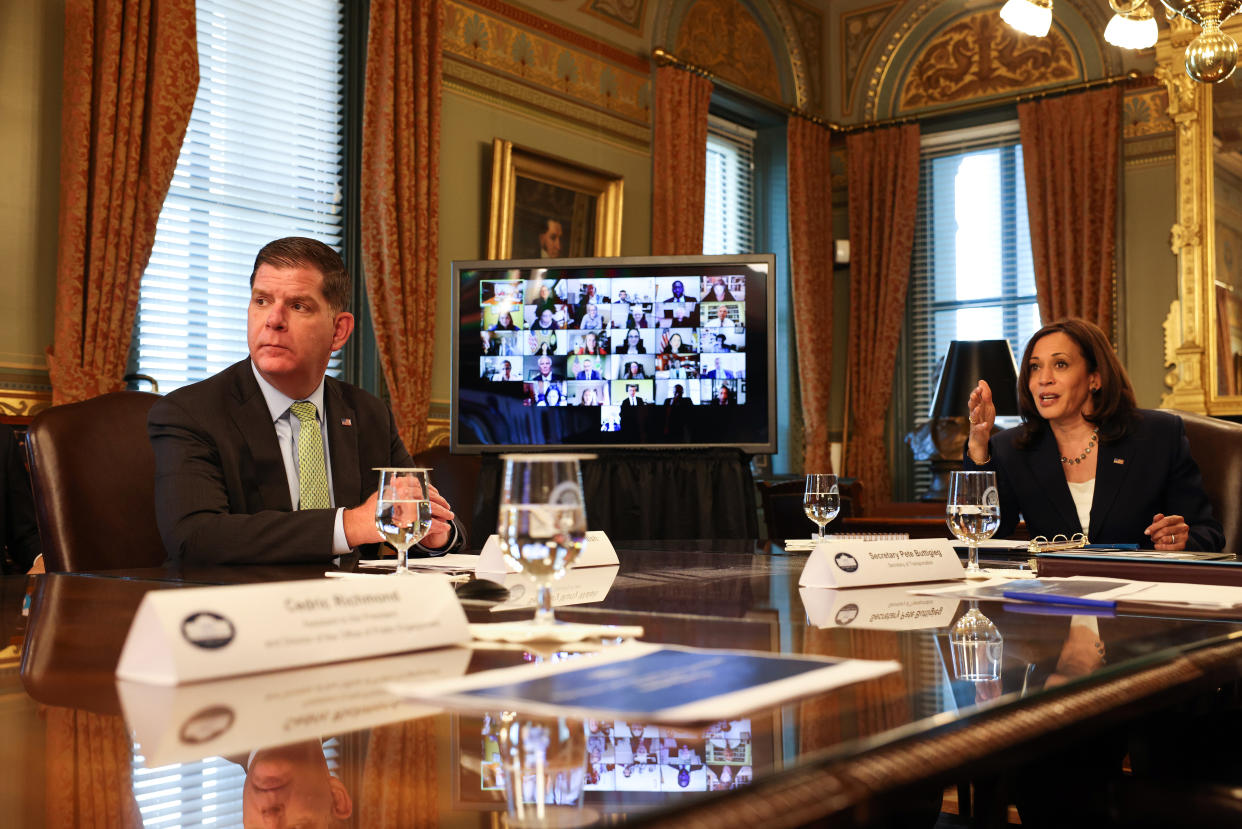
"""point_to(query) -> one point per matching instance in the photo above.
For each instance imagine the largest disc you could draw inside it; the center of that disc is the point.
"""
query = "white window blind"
(728, 213)
(205, 793)
(262, 159)
(971, 275)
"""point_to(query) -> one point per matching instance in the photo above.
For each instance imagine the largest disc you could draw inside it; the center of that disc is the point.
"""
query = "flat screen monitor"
(636, 352)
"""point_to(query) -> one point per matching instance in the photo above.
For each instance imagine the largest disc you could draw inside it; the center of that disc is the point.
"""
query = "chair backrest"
(782, 507)
(1216, 446)
(93, 473)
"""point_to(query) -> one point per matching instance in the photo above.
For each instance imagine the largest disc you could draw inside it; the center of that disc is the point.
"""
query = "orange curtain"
(680, 164)
(89, 782)
(810, 250)
(399, 787)
(883, 190)
(130, 78)
(401, 199)
(1070, 151)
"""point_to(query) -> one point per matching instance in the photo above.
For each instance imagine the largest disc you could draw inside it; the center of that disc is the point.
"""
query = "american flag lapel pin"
(346, 422)
(1120, 461)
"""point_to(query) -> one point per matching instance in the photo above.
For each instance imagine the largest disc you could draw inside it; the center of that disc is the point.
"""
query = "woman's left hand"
(1168, 532)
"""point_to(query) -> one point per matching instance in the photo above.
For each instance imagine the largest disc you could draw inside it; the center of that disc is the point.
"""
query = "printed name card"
(212, 632)
(869, 563)
(877, 608)
(597, 551)
(580, 586)
(179, 724)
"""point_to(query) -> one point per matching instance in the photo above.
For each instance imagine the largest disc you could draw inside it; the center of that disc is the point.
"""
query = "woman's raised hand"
(982, 420)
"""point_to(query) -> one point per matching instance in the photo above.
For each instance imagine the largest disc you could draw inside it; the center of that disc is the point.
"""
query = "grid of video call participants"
(634, 757)
(617, 342)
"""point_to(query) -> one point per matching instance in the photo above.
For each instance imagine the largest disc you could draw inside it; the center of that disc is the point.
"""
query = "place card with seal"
(183, 723)
(877, 608)
(871, 563)
(214, 632)
(579, 586)
(597, 551)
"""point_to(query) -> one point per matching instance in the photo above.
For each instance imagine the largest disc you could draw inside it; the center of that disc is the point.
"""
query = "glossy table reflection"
(841, 754)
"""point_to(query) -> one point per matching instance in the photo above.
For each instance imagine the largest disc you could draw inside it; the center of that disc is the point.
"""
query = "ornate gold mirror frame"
(1197, 330)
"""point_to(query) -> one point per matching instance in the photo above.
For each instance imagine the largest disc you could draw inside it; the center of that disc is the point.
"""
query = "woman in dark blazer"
(1086, 458)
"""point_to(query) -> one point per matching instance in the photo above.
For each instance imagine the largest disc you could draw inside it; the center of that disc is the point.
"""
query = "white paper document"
(1094, 591)
(654, 683)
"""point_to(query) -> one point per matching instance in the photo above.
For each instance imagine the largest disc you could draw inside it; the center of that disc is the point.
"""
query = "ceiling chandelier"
(1210, 57)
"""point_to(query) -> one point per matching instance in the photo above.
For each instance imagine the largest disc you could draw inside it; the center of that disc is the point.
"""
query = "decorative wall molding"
(624, 14)
(809, 26)
(723, 37)
(859, 31)
(24, 395)
(979, 56)
(520, 49)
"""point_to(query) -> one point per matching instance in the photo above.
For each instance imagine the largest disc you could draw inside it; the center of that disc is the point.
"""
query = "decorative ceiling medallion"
(724, 38)
(979, 56)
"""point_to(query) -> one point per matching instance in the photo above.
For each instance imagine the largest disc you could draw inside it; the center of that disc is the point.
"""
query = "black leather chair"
(1216, 446)
(94, 484)
(783, 515)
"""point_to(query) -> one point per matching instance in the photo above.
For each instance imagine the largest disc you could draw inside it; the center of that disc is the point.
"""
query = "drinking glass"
(822, 500)
(973, 512)
(542, 523)
(403, 509)
(976, 644)
(544, 761)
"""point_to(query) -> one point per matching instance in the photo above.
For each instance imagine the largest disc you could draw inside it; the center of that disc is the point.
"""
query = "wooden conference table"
(67, 731)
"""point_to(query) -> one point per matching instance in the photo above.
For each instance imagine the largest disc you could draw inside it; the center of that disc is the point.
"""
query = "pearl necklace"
(1085, 452)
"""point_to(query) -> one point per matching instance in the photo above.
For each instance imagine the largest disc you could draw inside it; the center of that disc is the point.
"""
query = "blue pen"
(1054, 599)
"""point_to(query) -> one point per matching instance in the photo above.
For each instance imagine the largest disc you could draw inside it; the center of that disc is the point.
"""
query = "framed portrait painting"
(548, 208)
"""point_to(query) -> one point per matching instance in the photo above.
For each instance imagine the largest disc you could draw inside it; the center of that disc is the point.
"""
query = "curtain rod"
(1132, 79)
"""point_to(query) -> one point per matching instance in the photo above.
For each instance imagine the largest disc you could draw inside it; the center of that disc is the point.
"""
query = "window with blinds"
(263, 158)
(971, 276)
(728, 213)
(206, 793)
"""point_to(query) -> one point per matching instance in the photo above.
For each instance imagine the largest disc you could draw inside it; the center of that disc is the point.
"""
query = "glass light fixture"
(1033, 17)
(1133, 26)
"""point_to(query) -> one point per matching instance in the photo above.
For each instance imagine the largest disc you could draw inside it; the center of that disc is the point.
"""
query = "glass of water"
(973, 512)
(976, 644)
(544, 768)
(403, 509)
(822, 500)
(542, 523)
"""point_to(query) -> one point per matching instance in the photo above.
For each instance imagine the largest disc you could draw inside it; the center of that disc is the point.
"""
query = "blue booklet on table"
(658, 683)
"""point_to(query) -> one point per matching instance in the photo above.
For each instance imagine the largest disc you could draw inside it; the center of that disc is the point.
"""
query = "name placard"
(597, 551)
(178, 724)
(877, 608)
(580, 586)
(870, 563)
(212, 632)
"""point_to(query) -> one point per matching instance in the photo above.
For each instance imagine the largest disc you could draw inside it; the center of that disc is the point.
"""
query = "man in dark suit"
(270, 461)
(631, 396)
(19, 533)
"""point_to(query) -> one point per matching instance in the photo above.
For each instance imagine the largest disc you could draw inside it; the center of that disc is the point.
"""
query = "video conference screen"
(633, 757)
(667, 351)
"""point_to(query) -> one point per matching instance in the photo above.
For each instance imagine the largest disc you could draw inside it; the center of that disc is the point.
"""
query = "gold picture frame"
(547, 207)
